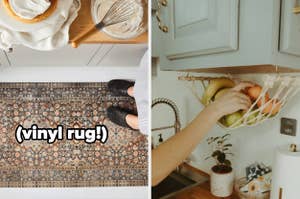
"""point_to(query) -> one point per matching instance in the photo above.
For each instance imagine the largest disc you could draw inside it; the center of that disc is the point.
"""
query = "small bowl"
(122, 30)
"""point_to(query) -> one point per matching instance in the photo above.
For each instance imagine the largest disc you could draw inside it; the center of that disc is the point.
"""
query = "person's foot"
(132, 121)
(122, 117)
(120, 87)
(130, 91)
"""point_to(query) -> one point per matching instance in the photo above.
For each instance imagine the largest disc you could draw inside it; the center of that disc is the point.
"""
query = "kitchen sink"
(177, 181)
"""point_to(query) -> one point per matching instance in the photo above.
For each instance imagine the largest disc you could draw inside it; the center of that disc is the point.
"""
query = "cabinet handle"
(280, 193)
(162, 27)
(296, 9)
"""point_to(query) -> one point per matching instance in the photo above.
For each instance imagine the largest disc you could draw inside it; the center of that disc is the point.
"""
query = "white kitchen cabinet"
(89, 63)
(85, 55)
(66, 56)
(4, 62)
(156, 34)
(206, 34)
(200, 27)
(120, 55)
(289, 29)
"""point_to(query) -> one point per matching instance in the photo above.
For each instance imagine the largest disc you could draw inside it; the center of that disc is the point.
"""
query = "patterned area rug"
(121, 161)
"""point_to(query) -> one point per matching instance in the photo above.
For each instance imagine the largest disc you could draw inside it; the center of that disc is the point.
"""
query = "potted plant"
(222, 176)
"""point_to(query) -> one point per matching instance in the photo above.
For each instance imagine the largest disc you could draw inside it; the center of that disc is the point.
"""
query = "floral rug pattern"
(121, 161)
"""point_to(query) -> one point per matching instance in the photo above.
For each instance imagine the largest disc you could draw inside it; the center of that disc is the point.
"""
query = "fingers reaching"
(245, 98)
(242, 86)
(243, 101)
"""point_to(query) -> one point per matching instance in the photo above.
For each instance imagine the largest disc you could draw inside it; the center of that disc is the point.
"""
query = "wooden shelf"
(245, 69)
(84, 21)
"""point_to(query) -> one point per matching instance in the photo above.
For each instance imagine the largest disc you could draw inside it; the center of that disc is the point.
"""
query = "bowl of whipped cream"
(131, 28)
(29, 10)
(37, 24)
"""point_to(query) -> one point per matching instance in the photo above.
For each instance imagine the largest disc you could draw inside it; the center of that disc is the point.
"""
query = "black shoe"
(118, 116)
(119, 87)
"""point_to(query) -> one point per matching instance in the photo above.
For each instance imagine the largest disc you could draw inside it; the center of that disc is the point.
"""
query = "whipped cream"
(29, 9)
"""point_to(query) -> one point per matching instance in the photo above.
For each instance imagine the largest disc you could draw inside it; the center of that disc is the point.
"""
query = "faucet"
(177, 125)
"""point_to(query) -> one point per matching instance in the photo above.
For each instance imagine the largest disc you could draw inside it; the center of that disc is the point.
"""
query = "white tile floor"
(76, 193)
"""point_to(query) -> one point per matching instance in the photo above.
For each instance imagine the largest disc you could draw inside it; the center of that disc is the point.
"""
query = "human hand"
(233, 100)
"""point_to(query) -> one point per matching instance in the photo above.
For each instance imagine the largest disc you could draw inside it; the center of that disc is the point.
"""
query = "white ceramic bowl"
(117, 30)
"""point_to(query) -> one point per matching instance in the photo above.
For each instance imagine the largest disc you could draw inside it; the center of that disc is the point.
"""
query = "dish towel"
(52, 34)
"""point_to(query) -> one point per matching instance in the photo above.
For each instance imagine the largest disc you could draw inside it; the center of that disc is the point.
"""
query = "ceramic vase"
(221, 184)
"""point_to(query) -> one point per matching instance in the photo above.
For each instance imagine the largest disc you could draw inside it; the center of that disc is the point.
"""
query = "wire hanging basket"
(273, 95)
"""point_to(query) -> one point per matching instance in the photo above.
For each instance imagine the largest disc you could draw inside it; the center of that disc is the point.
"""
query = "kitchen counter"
(201, 190)
(84, 21)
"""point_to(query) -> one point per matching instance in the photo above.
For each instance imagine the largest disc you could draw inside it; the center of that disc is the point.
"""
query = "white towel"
(52, 33)
(141, 94)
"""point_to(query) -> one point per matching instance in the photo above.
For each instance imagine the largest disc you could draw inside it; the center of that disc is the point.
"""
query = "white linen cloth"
(48, 34)
(141, 94)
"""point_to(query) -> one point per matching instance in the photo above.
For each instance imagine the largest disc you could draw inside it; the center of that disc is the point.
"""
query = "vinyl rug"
(121, 161)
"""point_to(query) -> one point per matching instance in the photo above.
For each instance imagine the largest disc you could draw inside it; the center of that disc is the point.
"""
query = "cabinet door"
(4, 61)
(85, 55)
(200, 27)
(290, 29)
(156, 38)
(119, 55)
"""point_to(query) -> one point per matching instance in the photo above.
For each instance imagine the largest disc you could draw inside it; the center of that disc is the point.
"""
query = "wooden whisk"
(120, 11)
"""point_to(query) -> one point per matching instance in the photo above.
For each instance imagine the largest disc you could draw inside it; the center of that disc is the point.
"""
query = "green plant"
(221, 150)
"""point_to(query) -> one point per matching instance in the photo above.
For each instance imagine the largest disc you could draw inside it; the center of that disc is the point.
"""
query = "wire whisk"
(120, 11)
